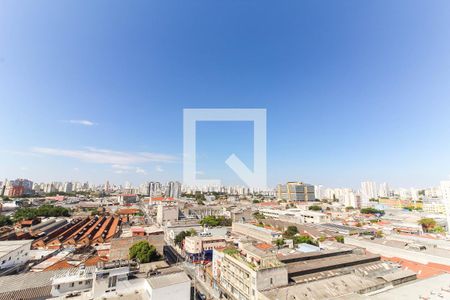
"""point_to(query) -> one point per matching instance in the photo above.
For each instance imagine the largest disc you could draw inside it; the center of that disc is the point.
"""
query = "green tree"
(5, 221)
(303, 239)
(42, 211)
(427, 224)
(373, 211)
(213, 221)
(290, 232)
(315, 208)
(179, 238)
(258, 216)
(144, 252)
(279, 243)
(438, 229)
(339, 239)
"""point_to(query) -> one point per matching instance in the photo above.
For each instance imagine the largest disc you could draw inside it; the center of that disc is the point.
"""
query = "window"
(58, 287)
(112, 281)
(271, 281)
(72, 284)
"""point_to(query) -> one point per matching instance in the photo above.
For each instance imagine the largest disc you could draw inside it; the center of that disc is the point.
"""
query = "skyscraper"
(445, 190)
(368, 191)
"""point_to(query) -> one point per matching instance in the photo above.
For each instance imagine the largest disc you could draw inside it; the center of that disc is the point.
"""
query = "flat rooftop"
(9, 246)
(161, 281)
(433, 288)
(319, 265)
(323, 289)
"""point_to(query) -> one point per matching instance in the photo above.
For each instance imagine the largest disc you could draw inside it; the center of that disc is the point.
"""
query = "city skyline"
(348, 98)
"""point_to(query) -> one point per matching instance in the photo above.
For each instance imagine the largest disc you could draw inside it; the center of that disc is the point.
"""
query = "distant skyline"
(354, 91)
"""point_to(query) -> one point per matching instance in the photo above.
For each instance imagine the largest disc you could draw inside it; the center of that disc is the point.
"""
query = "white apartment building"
(14, 253)
(445, 190)
(369, 190)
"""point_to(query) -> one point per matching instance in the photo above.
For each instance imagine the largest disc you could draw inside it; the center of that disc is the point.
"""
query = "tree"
(290, 232)
(144, 252)
(179, 238)
(5, 221)
(303, 239)
(42, 211)
(315, 208)
(373, 211)
(213, 221)
(279, 243)
(427, 224)
(438, 229)
(339, 239)
(258, 216)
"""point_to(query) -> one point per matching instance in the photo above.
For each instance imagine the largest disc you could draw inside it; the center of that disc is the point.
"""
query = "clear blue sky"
(354, 90)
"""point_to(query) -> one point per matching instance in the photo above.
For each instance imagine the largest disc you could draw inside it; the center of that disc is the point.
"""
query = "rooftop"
(9, 246)
(168, 280)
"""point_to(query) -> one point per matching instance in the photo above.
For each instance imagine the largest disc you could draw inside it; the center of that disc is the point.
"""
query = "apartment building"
(201, 247)
(296, 191)
(241, 273)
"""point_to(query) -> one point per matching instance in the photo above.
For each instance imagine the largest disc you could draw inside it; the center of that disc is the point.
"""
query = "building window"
(271, 281)
(58, 287)
(112, 281)
(72, 284)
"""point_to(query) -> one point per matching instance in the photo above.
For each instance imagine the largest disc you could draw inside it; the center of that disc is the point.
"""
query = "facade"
(369, 191)
(242, 273)
(201, 247)
(255, 232)
(296, 215)
(166, 214)
(14, 253)
(296, 191)
(124, 199)
(445, 190)
(435, 207)
(173, 189)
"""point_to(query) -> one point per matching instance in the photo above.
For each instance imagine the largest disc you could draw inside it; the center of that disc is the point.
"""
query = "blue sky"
(354, 90)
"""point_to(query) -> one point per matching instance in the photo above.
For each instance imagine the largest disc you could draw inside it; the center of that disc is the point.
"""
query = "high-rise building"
(154, 189)
(318, 190)
(384, 190)
(369, 190)
(173, 189)
(445, 190)
(296, 191)
(68, 187)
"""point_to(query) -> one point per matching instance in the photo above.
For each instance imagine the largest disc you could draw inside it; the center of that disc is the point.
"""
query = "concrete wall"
(17, 257)
(179, 291)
